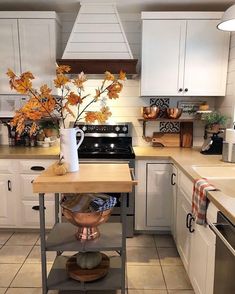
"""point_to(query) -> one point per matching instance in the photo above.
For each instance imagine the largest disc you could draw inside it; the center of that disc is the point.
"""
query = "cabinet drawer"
(5, 166)
(34, 166)
(30, 214)
(27, 188)
(186, 185)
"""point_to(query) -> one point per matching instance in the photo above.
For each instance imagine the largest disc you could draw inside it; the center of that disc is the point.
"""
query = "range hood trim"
(99, 66)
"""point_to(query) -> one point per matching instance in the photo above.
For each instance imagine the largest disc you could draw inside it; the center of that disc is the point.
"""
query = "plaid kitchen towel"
(199, 199)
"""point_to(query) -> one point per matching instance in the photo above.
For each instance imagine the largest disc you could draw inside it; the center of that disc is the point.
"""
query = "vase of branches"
(71, 103)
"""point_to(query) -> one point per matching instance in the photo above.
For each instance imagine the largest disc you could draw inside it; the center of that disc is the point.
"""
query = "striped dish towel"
(199, 199)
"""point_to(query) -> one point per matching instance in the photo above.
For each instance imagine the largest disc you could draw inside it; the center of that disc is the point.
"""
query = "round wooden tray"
(87, 275)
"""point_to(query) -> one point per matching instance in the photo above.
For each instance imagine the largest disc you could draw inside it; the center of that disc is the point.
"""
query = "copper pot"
(87, 222)
(150, 112)
(174, 112)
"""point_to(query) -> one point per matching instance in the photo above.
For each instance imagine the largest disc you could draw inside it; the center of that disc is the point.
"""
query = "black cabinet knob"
(186, 89)
(180, 89)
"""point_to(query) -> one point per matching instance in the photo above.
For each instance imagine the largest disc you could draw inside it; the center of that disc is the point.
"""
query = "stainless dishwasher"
(224, 282)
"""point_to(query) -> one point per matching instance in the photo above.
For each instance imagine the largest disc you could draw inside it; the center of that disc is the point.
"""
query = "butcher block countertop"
(29, 152)
(185, 159)
(91, 178)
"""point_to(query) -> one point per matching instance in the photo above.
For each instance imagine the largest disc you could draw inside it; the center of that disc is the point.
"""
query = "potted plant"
(71, 101)
(49, 128)
(215, 121)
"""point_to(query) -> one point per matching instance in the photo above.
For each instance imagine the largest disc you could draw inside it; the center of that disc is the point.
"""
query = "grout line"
(7, 239)
(21, 266)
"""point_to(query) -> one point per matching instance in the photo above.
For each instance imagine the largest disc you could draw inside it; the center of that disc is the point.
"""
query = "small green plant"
(215, 118)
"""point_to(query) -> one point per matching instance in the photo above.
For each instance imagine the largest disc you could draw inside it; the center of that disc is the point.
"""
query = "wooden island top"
(91, 178)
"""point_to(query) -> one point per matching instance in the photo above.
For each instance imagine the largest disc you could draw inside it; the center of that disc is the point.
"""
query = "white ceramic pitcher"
(69, 147)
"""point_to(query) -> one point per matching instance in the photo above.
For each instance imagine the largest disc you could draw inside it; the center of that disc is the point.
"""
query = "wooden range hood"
(99, 66)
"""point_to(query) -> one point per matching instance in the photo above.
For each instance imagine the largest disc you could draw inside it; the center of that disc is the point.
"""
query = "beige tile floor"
(153, 265)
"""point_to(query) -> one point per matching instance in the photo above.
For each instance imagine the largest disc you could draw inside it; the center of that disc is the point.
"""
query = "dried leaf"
(10, 73)
(74, 99)
(63, 69)
(60, 80)
(122, 76)
(114, 90)
(108, 76)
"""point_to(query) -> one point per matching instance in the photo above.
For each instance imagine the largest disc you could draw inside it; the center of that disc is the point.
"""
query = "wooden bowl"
(150, 112)
(174, 112)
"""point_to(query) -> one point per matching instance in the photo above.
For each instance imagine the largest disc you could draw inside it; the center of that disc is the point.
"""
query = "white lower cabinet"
(153, 205)
(30, 214)
(196, 248)
(19, 205)
(8, 201)
(182, 232)
(202, 260)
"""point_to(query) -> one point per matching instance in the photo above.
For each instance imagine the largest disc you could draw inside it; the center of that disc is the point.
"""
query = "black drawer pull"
(36, 207)
(37, 168)
(9, 185)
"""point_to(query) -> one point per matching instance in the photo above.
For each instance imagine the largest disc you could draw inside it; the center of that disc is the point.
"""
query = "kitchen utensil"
(166, 139)
(150, 112)
(186, 134)
(174, 112)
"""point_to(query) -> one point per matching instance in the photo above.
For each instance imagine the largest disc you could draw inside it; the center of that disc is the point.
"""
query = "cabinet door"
(9, 52)
(8, 201)
(202, 260)
(38, 49)
(159, 195)
(182, 232)
(162, 57)
(206, 58)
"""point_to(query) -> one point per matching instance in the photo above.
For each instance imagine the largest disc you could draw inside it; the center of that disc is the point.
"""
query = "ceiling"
(122, 5)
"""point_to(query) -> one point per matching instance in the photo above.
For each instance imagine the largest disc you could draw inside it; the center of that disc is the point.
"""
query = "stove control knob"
(124, 129)
(117, 128)
(84, 128)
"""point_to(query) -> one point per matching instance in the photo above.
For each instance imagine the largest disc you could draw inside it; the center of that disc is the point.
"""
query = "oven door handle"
(132, 172)
(221, 237)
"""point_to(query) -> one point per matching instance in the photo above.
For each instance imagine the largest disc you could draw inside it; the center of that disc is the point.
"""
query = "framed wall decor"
(190, 108)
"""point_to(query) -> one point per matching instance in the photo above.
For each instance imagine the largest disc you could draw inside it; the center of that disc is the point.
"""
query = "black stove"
(107, 141)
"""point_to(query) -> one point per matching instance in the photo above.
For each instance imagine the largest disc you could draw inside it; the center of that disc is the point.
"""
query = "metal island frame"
(91, 178)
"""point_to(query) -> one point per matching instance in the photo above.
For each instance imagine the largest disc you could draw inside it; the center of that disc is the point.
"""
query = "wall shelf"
(186, 129)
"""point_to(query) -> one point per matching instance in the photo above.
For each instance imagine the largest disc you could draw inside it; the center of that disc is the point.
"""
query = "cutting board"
(166, 139)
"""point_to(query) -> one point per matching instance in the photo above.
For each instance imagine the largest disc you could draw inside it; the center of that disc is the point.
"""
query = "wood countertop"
(7, 152)
(185, 159)
(91, 178)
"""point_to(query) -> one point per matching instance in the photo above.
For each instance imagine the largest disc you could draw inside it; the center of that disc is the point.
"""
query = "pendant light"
(228, 20)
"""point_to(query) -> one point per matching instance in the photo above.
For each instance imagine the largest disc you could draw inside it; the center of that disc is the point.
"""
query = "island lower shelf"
(58, 278)
(62, 238)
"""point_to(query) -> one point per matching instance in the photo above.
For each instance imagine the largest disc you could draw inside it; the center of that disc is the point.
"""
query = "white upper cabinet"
(9, 52)
(206, 58)
(161, 49)
(183, 56)
(28, 43)
(38, 49)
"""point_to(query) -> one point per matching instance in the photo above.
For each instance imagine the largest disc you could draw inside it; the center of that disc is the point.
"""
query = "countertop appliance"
(224, 282)
(110, 143)
(213, 144)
